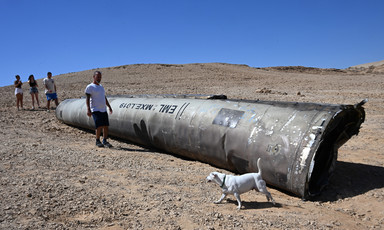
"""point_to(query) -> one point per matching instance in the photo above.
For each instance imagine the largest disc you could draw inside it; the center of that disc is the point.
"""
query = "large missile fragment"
(297, 142)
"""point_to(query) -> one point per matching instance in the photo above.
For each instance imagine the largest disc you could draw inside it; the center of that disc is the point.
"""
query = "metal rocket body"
(297, 142)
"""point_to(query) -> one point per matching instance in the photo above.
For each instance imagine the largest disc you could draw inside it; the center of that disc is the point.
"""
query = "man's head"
(49, 74)
(97, 77)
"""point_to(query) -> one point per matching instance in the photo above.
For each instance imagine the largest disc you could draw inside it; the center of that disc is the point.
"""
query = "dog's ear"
(215, 175)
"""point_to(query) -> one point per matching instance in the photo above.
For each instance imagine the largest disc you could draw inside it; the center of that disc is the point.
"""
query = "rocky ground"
(53, 177)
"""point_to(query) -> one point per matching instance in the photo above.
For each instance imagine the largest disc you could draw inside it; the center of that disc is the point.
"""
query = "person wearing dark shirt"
(33, 90)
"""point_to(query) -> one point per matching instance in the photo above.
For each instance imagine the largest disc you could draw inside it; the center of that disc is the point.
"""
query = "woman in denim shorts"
(33, 90)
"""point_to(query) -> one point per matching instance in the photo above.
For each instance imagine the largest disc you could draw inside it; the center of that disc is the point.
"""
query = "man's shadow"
(352, 179)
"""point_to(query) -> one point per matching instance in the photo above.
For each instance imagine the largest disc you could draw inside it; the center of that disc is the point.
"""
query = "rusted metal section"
(297, 142)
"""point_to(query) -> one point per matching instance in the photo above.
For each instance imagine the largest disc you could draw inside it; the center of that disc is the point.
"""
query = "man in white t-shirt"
(50, 90)
(96, 106)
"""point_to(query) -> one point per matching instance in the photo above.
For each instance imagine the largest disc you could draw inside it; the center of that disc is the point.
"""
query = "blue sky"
(63, 36)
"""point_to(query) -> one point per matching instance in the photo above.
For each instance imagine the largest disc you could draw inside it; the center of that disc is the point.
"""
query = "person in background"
(18, 92)
(96, 106)
(33, 90)
(50, 90)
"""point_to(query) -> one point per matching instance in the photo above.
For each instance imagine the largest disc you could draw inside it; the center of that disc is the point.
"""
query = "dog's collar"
(222, 184)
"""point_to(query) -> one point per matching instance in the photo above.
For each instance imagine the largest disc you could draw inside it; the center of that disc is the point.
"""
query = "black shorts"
(100, 118)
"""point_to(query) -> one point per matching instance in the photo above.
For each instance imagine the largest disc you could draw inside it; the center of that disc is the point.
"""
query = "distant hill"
(373, 67)
(303, 69)
(366, 65)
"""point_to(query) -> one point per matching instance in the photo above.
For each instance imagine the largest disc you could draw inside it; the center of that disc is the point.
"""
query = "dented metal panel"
(297, 142)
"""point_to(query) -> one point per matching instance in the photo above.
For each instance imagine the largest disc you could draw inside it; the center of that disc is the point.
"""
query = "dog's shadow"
(352, 179)
(255, 205)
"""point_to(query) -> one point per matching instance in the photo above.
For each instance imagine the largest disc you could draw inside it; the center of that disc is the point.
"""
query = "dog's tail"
(258, 165)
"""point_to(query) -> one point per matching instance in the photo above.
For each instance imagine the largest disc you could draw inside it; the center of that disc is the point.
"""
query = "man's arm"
(109, 106)
(87, 102)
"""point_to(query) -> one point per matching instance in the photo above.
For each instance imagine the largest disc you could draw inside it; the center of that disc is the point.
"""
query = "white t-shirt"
(50, 83)
(97, 101)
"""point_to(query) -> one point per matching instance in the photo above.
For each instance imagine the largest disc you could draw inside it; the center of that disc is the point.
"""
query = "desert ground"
(52, 176)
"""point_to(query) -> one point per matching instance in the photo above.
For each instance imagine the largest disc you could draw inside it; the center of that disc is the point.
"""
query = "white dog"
(237, 185)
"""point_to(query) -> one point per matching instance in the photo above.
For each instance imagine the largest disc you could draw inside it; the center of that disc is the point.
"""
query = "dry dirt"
(53, 177)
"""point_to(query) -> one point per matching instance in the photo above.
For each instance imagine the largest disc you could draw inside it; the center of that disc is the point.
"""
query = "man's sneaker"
(106, 144)
(99, 144)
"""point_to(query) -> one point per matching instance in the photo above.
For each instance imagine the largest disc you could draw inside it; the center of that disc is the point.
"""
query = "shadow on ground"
(251, 204)
(352, 179)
